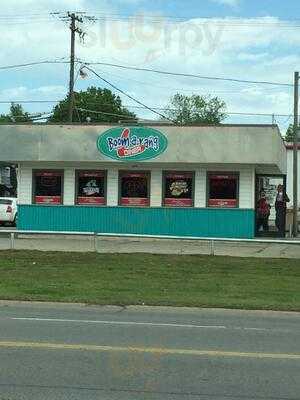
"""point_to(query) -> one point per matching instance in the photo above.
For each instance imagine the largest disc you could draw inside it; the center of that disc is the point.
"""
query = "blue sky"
(217, 8)
(254, 40)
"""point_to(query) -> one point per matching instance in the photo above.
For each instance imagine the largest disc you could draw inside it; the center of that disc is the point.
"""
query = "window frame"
(77, 172)
(39, 170)
(4, 202)
(229, 173)
(124, 172)
(164, 174)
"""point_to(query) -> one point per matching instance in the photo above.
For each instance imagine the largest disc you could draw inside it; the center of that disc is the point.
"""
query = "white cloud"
(25, 92)
(254, 49)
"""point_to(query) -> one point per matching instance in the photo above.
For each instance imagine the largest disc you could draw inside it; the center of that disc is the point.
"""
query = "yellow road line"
(151, 350)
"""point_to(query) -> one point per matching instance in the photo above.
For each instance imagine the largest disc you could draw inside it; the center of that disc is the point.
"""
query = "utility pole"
(74, 29)
(72, 18)
(72, 66)
(273, 119)
(295, 155)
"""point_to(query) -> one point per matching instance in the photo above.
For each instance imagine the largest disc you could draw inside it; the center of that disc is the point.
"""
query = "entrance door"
(266, 185)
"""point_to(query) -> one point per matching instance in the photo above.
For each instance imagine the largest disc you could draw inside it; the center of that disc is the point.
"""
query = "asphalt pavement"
(50, 351)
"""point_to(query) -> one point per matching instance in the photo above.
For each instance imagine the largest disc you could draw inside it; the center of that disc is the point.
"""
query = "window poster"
(178, 189)
(223, 190)
(91, 187)
(48, 187)
(134, 187)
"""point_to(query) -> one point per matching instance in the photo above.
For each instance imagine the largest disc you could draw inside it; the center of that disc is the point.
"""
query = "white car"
(8, 210)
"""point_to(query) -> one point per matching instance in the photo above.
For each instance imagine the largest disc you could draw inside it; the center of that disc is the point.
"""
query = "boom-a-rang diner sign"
(132, 143)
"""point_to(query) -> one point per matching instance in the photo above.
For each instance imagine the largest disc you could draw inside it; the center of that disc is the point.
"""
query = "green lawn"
(203, 281)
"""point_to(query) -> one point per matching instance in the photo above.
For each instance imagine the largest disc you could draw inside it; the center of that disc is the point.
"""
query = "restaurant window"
(134, 188)
(90, 187)
(223, 190)
(178, 189)
(48, 187)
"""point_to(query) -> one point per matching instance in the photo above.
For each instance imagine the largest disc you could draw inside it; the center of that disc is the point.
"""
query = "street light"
(83, 74)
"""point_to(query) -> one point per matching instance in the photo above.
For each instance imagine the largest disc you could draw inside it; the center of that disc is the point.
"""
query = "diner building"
(198, 181)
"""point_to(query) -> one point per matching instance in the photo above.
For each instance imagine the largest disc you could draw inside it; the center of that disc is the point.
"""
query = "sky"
(256, 40)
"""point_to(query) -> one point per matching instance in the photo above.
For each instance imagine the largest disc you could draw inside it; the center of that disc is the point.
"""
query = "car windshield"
(5, 202)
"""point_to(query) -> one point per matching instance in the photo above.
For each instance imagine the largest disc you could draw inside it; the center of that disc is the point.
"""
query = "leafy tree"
(93, 105)
(289, 136)
(16, 114)
(196, 109)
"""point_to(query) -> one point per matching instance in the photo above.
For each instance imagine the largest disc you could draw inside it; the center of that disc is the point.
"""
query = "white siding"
(247, 188)
(200, 188)
(156, 188)
(112, 187)
(246, 185)
(69, 186)
(25, 185)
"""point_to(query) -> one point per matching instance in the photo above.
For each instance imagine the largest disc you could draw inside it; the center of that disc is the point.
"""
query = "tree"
(289, 136)
(16, 114)
(93, 105)
(196, 109)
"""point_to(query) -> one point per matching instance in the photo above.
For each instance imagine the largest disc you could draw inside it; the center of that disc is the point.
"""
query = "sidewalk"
(154, 246)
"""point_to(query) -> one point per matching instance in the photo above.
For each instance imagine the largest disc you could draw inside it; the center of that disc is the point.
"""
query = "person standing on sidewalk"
(280, 207)
(263, 213)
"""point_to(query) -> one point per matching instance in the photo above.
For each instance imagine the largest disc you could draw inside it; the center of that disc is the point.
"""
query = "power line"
(105, 113)
(32, 15)
(288, 118)
(189, 75)
(279, 114)
(14, 66)
(31, 117)
(265, 23)
(128, 95)
(258, 114)
(28, 101)
(170, 88)
(229, 21)
(148, 70)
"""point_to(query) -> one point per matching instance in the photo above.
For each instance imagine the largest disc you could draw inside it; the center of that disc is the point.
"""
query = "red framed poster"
(48, 199)
(170, 202)
(134, 201)
(134, 174)
(48, 173)
(229, 203)
(223, 176)
(134, 188)
(223, 190)
(91, 187)
(91, 200)
(47, 186)
(178, 189)
(91, 174)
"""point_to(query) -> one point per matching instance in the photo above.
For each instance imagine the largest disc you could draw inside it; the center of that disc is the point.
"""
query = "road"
(84, 352)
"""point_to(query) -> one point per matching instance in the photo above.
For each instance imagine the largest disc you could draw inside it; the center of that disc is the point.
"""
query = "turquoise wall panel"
(203, 222)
